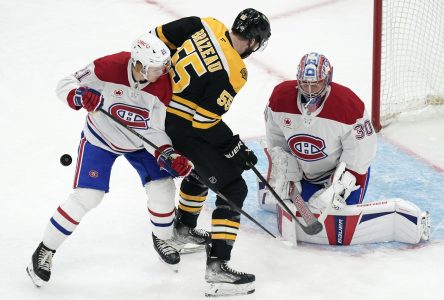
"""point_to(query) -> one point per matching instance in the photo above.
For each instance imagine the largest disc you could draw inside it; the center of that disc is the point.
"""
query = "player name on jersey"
(206, 50)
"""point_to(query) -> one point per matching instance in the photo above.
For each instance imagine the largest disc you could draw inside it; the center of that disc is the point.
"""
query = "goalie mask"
(251, 25)
(314, 77)
(153, 54)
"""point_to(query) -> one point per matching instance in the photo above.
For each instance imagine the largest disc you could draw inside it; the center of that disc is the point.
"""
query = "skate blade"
(425, 226)
(38, 282)
(191, 248)
(175, 268)
(228, 289)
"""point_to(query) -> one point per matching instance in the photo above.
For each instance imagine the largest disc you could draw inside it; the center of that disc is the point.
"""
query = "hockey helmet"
(152, 53)
(252, 24)
(314, 77)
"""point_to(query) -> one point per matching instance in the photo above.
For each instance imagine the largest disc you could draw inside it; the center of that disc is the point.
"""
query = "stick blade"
(313, 228)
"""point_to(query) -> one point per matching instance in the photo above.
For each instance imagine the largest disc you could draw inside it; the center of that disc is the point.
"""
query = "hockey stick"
(313, 225)
(193, 172)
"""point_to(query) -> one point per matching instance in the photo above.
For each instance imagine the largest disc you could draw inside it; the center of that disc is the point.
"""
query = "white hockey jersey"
(339, 130)
(141, 107)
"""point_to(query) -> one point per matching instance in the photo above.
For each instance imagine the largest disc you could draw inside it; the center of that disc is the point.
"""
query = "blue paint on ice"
(395, 174)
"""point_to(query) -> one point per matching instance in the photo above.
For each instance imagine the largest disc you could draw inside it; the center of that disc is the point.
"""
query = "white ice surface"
(110, 255)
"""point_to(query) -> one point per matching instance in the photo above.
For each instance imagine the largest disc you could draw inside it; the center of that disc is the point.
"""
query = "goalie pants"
(216, 171)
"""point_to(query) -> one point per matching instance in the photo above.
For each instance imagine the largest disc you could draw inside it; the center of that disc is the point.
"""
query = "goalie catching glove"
(172, 162)
(342, 184)
(240, 154)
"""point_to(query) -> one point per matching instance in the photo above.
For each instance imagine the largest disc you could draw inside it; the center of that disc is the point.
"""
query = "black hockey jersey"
(207, 74)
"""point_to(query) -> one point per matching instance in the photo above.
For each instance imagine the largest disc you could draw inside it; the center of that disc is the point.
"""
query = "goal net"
(408, 57)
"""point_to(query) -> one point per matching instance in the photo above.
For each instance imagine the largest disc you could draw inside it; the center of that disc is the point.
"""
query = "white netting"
(412, 56)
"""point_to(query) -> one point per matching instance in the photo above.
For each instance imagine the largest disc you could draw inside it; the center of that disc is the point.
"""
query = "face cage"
(314, 100)
(262, 45)
(259, 48)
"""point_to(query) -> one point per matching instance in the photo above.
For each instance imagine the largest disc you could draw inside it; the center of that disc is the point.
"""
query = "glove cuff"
(72, 102)
(165, 152)
(234, 147)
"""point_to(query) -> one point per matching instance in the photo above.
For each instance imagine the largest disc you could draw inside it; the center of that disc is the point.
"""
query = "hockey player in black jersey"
(208, 72)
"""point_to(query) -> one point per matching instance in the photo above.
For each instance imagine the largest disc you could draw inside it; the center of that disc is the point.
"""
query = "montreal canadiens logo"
(93, 173)
(307, 147)
(132, 116)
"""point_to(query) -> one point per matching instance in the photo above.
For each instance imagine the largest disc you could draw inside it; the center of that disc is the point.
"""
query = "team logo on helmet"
(132, 116)
(141, 42)
(307, 147)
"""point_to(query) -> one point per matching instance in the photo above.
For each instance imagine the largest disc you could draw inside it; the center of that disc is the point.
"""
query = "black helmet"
(252, 24)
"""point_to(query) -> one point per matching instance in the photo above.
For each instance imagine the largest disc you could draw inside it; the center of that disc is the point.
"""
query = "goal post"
(408, 57)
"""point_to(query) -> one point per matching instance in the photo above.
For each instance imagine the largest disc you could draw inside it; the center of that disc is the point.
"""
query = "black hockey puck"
(66, 160)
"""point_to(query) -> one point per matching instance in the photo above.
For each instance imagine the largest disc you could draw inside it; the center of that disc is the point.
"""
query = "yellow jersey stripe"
(185, 102)
(160, 35)
(237, 71)
(180, 113)
(204, 125)
(207, 113)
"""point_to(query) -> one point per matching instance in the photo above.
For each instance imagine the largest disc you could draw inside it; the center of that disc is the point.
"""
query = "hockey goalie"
(321, 144)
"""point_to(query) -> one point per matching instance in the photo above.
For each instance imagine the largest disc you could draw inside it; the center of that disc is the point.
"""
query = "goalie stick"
(313, 225)
(193, 172)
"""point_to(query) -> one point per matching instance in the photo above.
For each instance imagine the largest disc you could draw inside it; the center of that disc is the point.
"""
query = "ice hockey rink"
(110, 256)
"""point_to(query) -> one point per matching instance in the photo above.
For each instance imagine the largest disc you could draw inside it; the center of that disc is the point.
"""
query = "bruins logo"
(244, 73)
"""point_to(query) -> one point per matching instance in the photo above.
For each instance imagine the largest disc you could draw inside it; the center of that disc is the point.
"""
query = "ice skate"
(167, 253)
(189, 240)
(40, 267)
(425, 226)
(224, 281)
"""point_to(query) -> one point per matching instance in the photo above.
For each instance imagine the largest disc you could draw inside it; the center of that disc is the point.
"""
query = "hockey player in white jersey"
(321, 142)
(135, 88)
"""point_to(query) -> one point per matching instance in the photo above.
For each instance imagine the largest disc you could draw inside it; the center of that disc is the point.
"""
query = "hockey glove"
(240, 154)
(343, 183)
(172, 162)
(89, 99)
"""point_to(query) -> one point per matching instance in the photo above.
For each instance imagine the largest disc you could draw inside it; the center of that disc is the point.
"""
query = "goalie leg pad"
(411, 224)
(286, 225)
(373, 222)
(161, 206)
(265, 200)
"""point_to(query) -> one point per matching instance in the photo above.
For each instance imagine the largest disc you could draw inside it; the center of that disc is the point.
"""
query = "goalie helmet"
(152, 53)
(252, 24)
(314, 77)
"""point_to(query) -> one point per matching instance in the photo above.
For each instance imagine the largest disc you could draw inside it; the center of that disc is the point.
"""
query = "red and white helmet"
(314, 77)
(152, 53)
